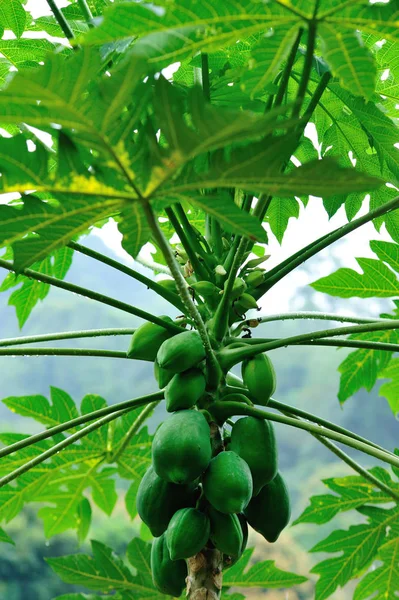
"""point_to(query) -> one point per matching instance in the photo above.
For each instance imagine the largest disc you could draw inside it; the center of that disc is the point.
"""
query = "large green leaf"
(176, 30)
(13, 16)
(376, 281)
(385, 579)
(350, 61)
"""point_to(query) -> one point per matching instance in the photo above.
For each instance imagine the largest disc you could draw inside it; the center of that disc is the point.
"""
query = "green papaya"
(168, 284)
(168, 576)
(255, 278)
(181, 352)
(184, 390)
(226, 532)
(254, 440)
(269, 512)
(206, 289)
(147, 340)
(181, 449)
(163, 376)
(246, 302)
(230, 560)
(157, 501)
(187, 533)
(239, 287)
(236, 397)
(259, 377)
(227, 483)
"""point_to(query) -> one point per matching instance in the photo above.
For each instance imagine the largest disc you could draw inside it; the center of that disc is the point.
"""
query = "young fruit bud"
(220, 270)
(205, 288)
(246, 302)
(239, 288)
(255, 278)
(256, 261)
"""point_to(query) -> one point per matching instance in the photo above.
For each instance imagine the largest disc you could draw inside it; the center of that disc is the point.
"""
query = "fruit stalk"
(205, 575)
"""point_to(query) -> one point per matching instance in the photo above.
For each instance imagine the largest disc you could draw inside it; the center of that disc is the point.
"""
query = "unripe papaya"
(187, 533)
(168, 284)
(226, 532)
(255, 278)
(168, 576)
(229, 561)
(181, 449)
(254, 440)
(269, 512)
(181, 352)
(227, 483)
(259, 377)
(205, 289)
(236, 397)
(147, 340)
(239, 287)
(184, 390)
(246, 302)
(163, 376)
(157, 501)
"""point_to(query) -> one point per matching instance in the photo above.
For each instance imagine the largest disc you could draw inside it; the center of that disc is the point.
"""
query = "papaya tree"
(187, 124)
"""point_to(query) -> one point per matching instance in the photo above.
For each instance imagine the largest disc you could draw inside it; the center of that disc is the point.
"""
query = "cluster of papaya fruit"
(207, 482)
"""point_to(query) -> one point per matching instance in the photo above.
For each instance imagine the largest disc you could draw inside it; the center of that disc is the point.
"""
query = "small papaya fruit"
(187, 533)
(246, 302)
(236, 397)
(227, 483)
(206, 289)
(269, 512)
(181, 352)
(226, 532)
(181, 449)
(147, 340)
(255, 278)
(163, 376)
(259, 377)
(239, 287)
(254, 440)
(168, 576)
(184, 390)
(157, 501)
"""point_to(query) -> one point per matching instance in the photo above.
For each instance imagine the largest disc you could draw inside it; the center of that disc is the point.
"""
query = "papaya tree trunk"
(205, 575)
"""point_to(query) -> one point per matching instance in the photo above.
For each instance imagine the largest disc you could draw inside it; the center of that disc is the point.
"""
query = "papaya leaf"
(262, 574)
(178, 32)
(384, 579)
(5, 538)
(358, 547)
(13, 16)
(376, 281)
(349, 493)
(279, 213)
(106, 571)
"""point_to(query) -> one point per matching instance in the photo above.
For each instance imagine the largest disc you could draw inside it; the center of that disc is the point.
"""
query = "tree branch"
(76, 289)
(64, 335)
(62, 22)
(107, 410)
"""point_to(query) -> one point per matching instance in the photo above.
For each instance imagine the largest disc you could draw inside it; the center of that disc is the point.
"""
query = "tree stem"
(317, 316)
(324, 342)
(62, 22)
(287, 71)
(228, 358)
(182, 287)
(76, 289)
(149, 283)
(147, 410)
(62, 352)
(205, 573)
(64, 335)
(225, 409)
(356, 467)
(107, 410)
(86, 12)
(58, 447)
(307, 69)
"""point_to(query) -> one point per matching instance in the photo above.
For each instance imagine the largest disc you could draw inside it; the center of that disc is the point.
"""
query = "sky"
(312, 223)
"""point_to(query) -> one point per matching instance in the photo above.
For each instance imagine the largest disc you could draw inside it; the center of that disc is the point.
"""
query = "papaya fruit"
(168, 576)
(269, 512)
(254, 440)
(157, 501)
(163, 376)
(246, 302)
(230, 560)
(181, 449)
(187, 533)
(168, 284)
(184, 390)
(181, 352)
(259, 377)
(255, 278)
(227, 483)
(206, 289)
(147, 340)
(239, 287)
(226, 532)
(237, 397)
